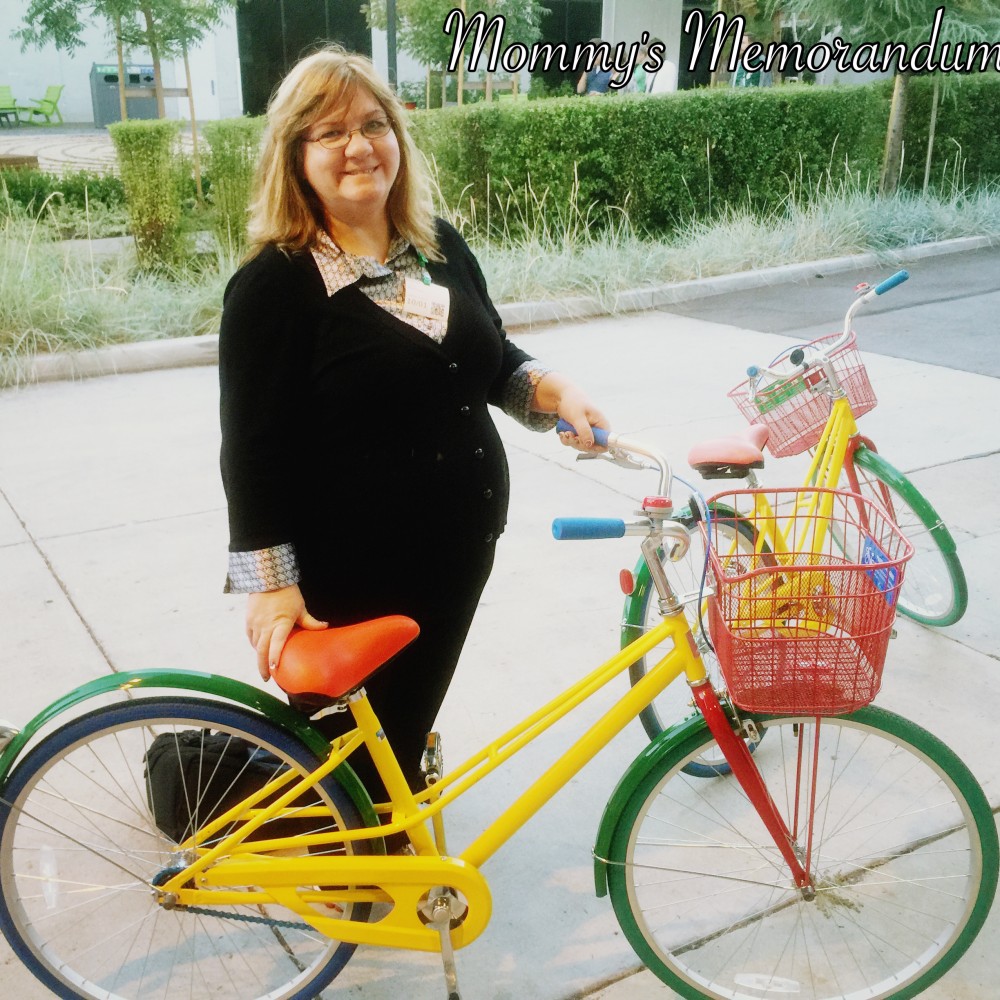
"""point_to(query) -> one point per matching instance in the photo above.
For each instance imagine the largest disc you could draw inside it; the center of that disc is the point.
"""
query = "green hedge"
(968, 121)
(666, 158)
(31, 188)
(151, 171)
(234, 147)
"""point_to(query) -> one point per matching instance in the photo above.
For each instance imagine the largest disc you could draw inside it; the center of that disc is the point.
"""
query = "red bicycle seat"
(335, 661)
(730, 457)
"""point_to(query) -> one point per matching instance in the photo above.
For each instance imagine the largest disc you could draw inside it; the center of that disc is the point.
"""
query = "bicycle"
(808, 398)
(850, 855)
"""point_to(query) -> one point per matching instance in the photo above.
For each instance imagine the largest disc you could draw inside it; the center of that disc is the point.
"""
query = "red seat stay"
(335, 661)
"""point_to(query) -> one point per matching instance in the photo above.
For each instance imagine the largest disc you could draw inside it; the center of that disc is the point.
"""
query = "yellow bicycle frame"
(235, 872)
(823, 474)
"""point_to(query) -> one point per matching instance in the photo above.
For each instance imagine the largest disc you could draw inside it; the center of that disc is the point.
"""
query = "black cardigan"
(356, 437)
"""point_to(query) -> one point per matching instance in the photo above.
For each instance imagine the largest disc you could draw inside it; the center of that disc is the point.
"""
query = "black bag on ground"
(194, 776)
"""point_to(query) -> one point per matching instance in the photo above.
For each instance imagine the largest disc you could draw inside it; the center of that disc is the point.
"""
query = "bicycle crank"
(443, 909)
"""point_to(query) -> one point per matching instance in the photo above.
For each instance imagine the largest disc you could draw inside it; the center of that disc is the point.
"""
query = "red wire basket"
(795, 411)
(803, 626)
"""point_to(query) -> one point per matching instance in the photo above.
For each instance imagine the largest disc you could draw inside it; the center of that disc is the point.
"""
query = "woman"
(595, 81)
(358, 352)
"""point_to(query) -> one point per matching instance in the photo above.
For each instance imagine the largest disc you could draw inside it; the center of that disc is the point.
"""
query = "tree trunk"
(154, 52)
(892, 162)
(122, 82)
(930, 134)
(461, 71)
(716, 77)
(777, 23)
(195, 156)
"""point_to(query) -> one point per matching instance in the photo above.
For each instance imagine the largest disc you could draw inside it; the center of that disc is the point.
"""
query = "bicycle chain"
(204, 911)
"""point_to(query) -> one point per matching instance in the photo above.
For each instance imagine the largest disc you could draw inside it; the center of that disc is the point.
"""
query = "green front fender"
(871, 461)
(649, 759)
(223, 688)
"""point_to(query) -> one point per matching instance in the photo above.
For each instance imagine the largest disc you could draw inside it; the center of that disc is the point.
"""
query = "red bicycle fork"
(745, 771)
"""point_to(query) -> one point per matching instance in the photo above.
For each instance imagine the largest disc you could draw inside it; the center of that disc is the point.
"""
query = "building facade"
(235, 70)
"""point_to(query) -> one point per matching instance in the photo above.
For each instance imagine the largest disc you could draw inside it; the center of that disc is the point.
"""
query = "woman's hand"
(271, 616)
(557, 394)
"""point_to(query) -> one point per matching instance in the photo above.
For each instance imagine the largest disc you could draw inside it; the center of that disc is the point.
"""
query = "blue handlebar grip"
(600, 435)
(897, 279)
(753, 371)
(570, 529)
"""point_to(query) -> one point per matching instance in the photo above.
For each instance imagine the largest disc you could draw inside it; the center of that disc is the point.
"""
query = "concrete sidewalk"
(113, 537)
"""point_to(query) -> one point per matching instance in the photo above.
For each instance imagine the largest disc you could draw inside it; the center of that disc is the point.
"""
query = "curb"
(187, 352)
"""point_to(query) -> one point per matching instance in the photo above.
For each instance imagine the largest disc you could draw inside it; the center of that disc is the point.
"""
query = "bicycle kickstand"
(441, 910)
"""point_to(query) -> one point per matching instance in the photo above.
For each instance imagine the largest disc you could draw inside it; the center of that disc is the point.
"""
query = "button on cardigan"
(277, 566)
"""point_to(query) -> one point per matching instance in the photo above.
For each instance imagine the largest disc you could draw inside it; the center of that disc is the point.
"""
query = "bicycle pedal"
(432, 761)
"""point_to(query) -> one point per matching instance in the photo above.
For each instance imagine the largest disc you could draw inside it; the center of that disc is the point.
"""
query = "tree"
(62, 22)
(172, 28)
(860, 22)
(421, 25)
(165, 27)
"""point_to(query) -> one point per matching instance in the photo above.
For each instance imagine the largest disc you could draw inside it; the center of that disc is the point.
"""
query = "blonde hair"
(285, 212)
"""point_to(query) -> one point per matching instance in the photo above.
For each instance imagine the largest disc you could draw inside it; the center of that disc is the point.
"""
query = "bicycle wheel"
(934, 590)
(642, 613)
(80, 852)
(902, 848)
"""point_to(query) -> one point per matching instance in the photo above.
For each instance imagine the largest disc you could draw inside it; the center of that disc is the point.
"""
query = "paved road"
(946, 314)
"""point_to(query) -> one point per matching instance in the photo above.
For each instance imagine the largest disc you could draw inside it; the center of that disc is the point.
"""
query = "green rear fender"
(648, 760)
(223, 688)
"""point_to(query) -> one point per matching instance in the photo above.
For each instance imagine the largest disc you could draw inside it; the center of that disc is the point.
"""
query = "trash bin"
(104, 93)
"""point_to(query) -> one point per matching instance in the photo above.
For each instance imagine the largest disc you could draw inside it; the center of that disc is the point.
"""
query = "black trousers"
(406, 693)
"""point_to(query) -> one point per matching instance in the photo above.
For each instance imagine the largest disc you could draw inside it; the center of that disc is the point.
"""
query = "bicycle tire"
(934, 591)
(641, 614)
(79, 850)
(904, 851)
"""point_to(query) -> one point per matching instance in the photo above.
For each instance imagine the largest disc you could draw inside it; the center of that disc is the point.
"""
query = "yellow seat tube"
(389, 770)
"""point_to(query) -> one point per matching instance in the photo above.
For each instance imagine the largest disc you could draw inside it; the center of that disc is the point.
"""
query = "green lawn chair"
(8, 106)
(47, 106)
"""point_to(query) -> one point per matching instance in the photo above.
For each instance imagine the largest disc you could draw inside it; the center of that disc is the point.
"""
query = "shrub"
(969, 111)
(149, 166)
(666, 158)
(234, 146)
(79, 189)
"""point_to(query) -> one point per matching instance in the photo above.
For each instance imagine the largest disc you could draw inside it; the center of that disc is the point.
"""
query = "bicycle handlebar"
(567, 529)
(868, 294)
(601, 436)
(618, 445)
(897, 279)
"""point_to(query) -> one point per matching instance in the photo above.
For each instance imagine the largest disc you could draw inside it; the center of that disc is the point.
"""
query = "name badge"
(431, 301)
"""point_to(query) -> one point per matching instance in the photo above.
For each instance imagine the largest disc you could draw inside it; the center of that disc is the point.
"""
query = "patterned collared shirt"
(277, 566)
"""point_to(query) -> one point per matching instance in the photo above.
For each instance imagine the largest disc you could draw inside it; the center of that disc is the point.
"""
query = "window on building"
(274, 34)
(568, 22)
(701, 75)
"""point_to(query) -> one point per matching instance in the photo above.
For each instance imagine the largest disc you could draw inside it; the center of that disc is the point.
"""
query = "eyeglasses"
(338, 138)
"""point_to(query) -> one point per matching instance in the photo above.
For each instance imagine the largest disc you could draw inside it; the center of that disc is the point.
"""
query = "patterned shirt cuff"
(519, 392)
(263, 569)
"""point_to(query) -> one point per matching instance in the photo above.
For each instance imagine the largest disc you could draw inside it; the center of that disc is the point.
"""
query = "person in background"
(638, 84)
(743, 77)
(358, 353)
(597, 81)
(664, 79)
